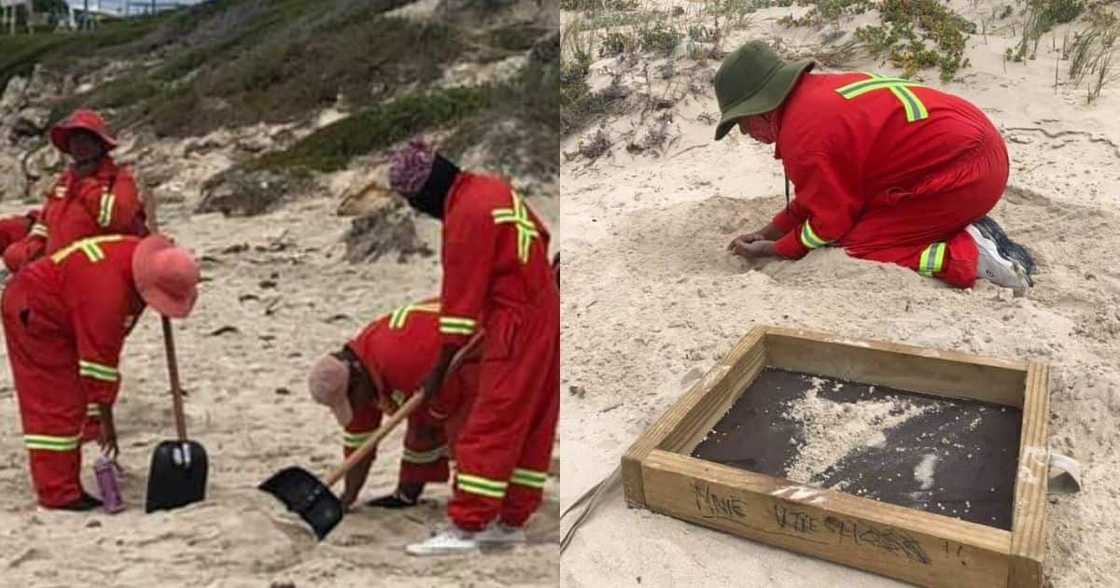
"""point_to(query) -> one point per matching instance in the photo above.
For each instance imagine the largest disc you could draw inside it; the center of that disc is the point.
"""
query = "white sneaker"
(453, 541)
(500, 534)
(995, 267)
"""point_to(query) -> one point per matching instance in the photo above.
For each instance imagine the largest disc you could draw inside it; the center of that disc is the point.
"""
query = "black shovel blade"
(306, 496)
(173, 480)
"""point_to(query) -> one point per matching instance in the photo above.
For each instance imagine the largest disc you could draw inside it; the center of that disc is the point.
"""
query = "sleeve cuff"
(785, 221)
(456, 330)
(790, 246)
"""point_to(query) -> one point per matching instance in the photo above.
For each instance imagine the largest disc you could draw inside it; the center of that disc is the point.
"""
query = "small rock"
(577, 391)
(93, 524)
(267, 284)
(283, 391)
(282, 585)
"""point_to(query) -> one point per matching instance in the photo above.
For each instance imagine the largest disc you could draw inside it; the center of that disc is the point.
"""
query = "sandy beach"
(651, 301)
(277, 293)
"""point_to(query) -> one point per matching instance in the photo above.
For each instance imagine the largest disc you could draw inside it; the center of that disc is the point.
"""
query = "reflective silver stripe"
(51, 442)
(810, 239)
(915, 109)
(107, 201)
(93, 411)
(399, 317)
(355, 440)
(932, 260)
(91, 247)
(425, 457)
(98, 371)
(530, 478)
(456, 325)
(39, 229)
(519, 217)
(481, 486)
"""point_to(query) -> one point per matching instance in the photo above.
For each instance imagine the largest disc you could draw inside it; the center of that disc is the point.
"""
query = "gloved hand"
(405, 496)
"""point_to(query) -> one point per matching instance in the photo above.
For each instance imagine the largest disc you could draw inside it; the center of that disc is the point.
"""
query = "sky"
(117, 6)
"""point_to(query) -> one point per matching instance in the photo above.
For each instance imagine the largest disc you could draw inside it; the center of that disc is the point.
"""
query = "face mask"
(762, 129)
(431, 198)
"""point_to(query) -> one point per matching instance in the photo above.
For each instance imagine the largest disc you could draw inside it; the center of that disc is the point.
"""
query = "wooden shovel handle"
(370, 444)
(151, 206)
(402, 413)
(173, 374)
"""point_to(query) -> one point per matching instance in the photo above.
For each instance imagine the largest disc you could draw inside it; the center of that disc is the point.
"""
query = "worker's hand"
(348, 498)
(355, 479)
(754, 249)
(107, 439)
(434, 383)
(742, 240)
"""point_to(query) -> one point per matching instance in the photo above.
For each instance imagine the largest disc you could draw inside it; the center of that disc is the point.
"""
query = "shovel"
(313, 500)
(179, 468)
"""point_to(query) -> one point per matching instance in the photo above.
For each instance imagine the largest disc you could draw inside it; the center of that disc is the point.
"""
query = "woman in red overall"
(94, 196)
(374, 374)
(888, 169)
(66, 318)
(497, 279)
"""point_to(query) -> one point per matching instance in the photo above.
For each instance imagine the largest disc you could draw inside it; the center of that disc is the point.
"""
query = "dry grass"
(1091, 53)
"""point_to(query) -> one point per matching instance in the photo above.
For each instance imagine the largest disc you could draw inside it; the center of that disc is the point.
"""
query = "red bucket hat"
(81, 120)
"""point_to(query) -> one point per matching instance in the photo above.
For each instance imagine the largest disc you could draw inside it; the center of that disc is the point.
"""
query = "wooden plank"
(910, 545)
(1028, 522)
(712, 382)
(699, 421)
(914, 369)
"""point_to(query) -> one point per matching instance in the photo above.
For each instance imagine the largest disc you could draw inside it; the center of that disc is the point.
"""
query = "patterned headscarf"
(411, 167)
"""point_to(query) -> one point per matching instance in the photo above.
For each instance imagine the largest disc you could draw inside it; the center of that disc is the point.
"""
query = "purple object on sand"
(108, 481)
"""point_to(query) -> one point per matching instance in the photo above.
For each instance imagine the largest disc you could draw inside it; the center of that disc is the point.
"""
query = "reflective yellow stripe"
(399, 317)
(932, 260)
(810, 239)
(91, 247)
(51, 443)
(453, 325)
(526, 230)
(107, 201)
(481, 486)
(98, 371)
(425, 457)
(915, 109)
(39, 229)
(530, 478)
(355, 440)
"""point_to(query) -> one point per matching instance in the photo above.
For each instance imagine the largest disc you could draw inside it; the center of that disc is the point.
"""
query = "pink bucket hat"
(328, 383)
(410, 167)
(166, 276)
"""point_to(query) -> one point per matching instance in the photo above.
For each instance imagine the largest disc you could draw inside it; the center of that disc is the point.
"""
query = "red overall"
(64, 344)
(889, 170)
(495, 265)
(103, 203)
(399, 350)
(15, 228)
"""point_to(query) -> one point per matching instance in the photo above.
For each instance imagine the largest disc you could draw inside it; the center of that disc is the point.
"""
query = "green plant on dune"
(908, 25)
